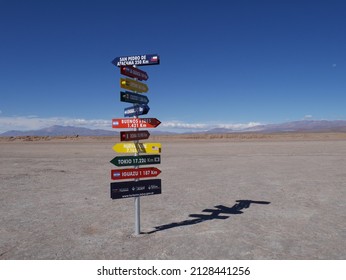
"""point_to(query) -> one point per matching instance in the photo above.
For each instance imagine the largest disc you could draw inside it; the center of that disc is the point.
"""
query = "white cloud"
(34, 122)
(307, 117)
(183, 125)
(205, 126)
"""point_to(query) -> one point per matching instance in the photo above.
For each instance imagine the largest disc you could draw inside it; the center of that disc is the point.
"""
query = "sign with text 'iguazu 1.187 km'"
(133, 173)
(142, 60)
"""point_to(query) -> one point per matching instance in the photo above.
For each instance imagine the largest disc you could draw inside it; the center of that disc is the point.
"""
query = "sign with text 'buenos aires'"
(146, 59)
(135, 123)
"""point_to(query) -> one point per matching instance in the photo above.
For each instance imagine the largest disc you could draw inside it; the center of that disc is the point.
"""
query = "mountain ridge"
(294, 126)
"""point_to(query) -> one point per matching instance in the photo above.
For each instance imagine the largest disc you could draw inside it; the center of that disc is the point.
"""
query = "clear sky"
(227, 63)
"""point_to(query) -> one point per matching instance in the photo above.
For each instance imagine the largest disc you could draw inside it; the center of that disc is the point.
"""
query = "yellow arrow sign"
(129, 84)
(148, 148)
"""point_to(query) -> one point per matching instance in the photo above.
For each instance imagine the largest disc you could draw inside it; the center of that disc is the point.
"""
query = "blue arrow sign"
(136, 110)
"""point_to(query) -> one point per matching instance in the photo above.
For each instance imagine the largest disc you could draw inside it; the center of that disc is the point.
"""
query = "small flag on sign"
(153, 59)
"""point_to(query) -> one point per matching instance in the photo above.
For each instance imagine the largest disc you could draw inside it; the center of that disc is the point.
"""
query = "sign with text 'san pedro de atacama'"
(140, 60)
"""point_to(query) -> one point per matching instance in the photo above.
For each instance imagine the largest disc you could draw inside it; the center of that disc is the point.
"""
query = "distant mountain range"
(304, 126)
(297, 126)
(59, 130)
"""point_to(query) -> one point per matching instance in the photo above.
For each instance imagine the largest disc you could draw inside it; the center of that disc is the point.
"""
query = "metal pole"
(137, 216)
(137, 205)
(137, 199)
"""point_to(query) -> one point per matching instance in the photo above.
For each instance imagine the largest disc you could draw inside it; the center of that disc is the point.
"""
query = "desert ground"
(236, 196)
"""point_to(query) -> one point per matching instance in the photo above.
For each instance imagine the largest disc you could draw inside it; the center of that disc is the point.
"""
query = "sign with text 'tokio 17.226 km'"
(136, 160)
(137, 187)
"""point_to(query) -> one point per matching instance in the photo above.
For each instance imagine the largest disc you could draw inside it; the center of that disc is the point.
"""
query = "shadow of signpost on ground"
(220, 212)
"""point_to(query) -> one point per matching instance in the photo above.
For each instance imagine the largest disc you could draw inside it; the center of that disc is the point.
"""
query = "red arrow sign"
(134, 135)
(135, 123)
(134, 73)
(133, 173)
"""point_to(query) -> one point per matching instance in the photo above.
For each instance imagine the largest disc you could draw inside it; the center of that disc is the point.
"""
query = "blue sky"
(223, 63)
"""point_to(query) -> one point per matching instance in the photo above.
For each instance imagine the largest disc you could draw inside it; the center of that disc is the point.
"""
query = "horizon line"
(28, 123)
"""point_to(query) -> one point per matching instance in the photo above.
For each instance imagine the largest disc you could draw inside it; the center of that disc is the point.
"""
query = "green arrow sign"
(136, 160)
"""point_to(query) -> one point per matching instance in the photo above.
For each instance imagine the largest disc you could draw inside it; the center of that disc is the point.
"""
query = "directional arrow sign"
(136, 110)
(134, 73)
(135, 188)
(147, 148)
(134, 173)
(129, 84)
(134, 135)
(136, 160)
(146, 59)
(132, 97)
(135, 123)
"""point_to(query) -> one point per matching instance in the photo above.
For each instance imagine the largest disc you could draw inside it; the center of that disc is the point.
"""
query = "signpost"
(129, 84)
(135, 123)
(146, 148)
(136, 160)
(131, 97)
(134, 135)
(147, 59)
(133, 173)
(132, 72)
(136, 110)
(137, 187)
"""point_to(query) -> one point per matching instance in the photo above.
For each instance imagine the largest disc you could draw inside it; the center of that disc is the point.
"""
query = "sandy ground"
(241, 197)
